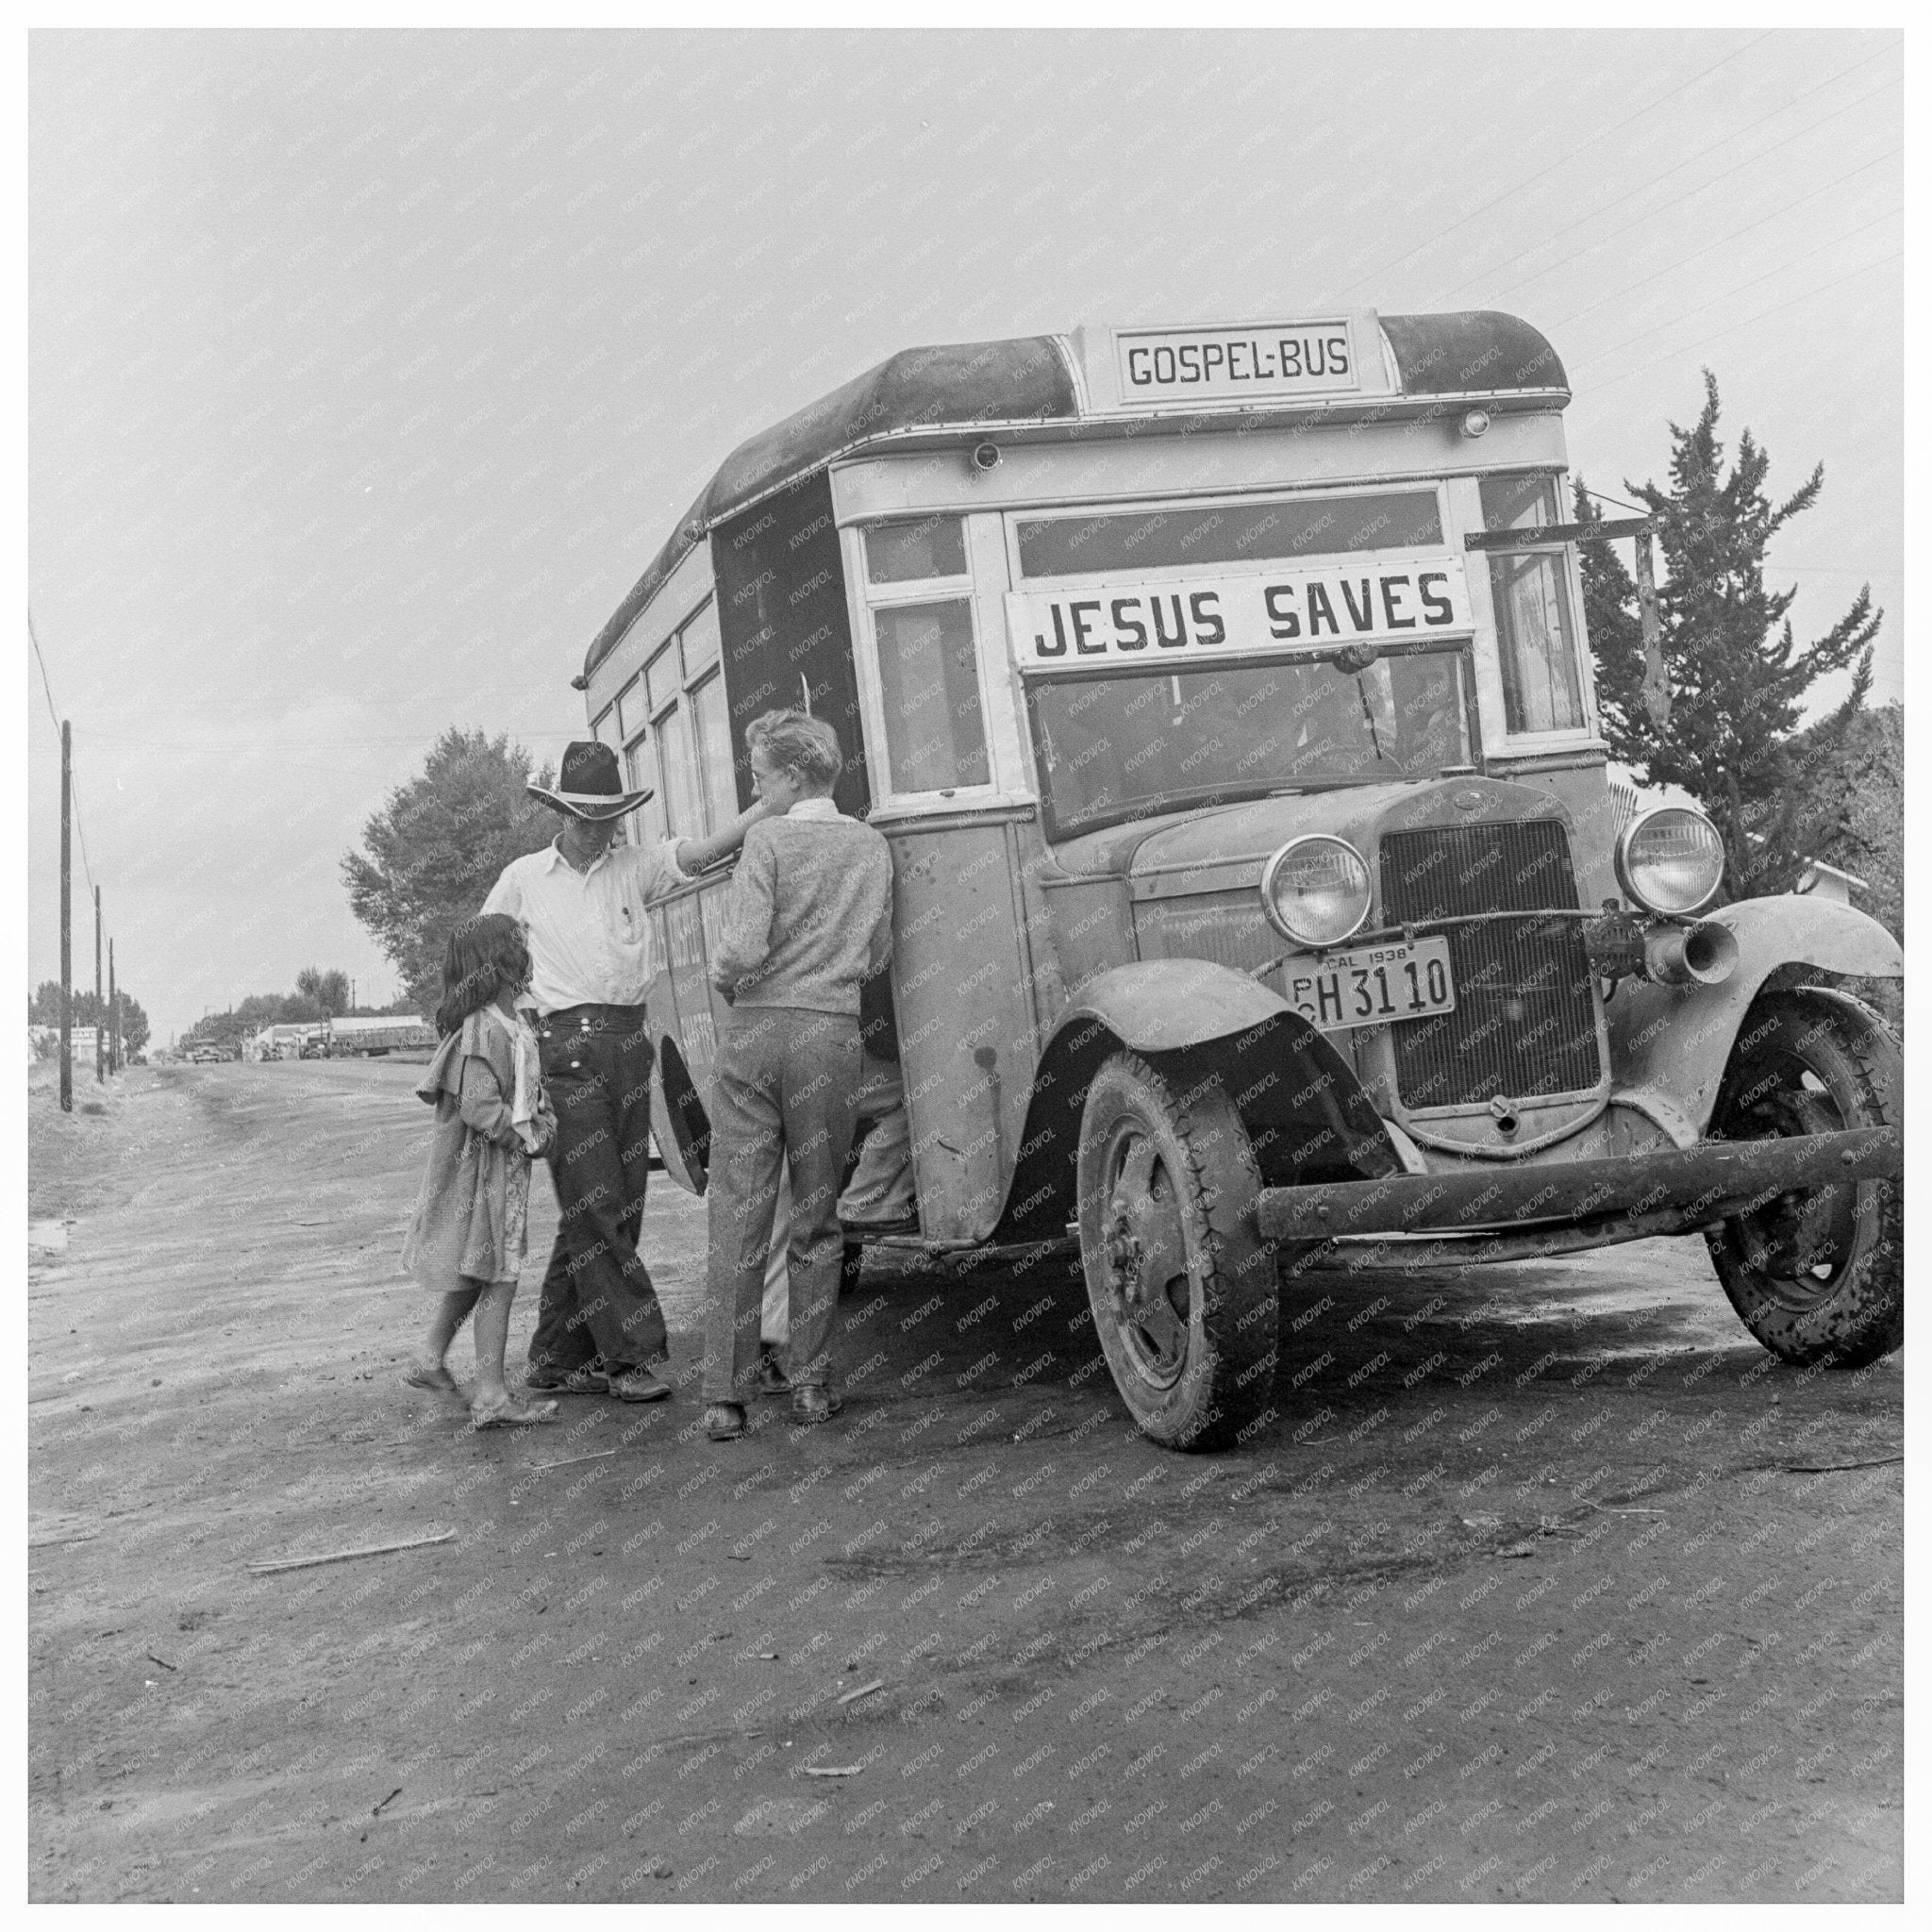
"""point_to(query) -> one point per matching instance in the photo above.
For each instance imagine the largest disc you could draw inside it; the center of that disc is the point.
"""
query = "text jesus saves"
(1305, 610)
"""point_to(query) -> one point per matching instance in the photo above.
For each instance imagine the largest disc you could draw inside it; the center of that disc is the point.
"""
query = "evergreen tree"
(436, 848)
(1737, 674)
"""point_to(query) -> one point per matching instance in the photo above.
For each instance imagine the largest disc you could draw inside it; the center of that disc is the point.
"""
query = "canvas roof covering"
(956, 389)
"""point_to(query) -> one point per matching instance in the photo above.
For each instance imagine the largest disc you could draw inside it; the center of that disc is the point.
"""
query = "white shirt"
(590, 940)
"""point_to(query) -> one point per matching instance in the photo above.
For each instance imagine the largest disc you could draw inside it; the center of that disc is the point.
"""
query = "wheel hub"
(1798, 1239)
(1145, 1246)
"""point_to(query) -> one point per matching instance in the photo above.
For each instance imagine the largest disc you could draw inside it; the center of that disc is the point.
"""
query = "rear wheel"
(1181, 1282)
(1817, 1275)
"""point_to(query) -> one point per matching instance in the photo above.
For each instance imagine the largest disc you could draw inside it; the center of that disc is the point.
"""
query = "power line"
(54, 712)
(1783, 269)
(1642, 509)
(1670, 268)
(1718, 334)
(1750, 161)
(1564, 162)
(1676, 167)
(80, 830)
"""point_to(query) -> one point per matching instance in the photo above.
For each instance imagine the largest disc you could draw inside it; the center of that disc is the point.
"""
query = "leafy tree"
(329, 990)
(436, 847)
(1857, 805)
(44, 1009)
(248, 1017)
(1738, 677)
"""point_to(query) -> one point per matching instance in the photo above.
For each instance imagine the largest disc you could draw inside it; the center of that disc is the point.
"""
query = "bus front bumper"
(1683, 1189)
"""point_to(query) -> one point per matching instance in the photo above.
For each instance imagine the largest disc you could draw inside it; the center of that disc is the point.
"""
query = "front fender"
(1160, 1005)
(1298, 1098)
(1675, 1041)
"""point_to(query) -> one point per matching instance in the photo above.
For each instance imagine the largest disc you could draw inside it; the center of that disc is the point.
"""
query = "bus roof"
(1029, 388)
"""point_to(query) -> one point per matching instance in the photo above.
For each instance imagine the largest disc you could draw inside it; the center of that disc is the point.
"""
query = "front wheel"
(1818, 1277)
(1181, 1281)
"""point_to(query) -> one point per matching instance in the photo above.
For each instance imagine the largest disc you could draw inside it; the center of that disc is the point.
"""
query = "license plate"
(1371, 985)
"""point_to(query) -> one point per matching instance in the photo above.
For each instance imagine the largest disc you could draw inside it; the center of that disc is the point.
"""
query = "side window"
(1534, 633)
(648, 824)
(683, 797)
(935, 736)
(678, 737)
(927, 656)
(711, 724)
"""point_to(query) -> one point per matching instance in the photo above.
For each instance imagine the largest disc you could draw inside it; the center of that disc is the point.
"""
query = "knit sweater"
(809, 912)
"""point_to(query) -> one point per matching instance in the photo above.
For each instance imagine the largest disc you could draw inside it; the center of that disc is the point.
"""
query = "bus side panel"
(788, 638)
(686, 1009)
(968, 1046)
(690, 993)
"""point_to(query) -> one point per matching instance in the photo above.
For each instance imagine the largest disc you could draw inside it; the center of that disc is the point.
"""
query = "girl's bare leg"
(493, 1401)
(492, 1338)
(428, 1371)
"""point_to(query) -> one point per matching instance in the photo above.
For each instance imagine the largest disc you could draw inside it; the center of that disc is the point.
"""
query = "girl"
(466, 1240)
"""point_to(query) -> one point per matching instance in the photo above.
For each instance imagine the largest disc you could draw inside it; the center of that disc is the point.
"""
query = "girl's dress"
(470, 1224)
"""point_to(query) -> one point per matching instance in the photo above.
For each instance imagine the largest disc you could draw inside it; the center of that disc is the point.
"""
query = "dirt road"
(1545, 1583)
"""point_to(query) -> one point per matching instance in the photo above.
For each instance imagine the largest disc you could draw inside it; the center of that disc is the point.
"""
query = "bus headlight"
(1671, 861)
(1315, 891)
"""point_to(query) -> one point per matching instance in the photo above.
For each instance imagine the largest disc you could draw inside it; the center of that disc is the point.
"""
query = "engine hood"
(1215, 847)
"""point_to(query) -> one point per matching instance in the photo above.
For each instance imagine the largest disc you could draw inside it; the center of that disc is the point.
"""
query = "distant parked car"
(200, 1055)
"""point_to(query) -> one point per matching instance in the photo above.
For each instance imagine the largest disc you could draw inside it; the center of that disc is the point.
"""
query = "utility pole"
(100, 1033)
(66, 917)
(114, 1008)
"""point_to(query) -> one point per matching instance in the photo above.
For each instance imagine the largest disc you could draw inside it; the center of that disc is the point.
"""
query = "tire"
(1817, 1277)
(1181, 1282)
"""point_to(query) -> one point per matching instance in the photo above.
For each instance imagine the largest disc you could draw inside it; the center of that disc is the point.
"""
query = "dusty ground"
(1540, 1586)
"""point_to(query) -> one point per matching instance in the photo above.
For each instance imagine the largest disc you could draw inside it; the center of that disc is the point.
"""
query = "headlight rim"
(1621, 861)
(1275, 861)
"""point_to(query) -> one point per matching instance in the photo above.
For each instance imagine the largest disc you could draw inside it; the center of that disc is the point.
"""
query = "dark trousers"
(598, 1304)
(784, 1092)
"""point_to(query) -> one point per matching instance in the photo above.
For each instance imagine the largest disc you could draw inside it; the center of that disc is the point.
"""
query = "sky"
(368, 370)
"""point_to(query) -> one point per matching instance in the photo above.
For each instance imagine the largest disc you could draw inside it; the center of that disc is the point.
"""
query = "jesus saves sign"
(1399, 600)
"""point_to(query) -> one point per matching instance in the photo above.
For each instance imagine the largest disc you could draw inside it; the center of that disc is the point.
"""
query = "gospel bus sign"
(1397, 602)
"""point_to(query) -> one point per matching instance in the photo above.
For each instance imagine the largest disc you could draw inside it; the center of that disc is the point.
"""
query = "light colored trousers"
(881, 1188)
(787, 1080)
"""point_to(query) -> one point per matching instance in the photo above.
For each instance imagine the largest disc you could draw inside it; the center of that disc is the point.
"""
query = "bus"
(1262, 903)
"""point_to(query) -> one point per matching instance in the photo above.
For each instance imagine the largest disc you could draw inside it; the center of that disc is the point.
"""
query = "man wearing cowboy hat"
(581, 902)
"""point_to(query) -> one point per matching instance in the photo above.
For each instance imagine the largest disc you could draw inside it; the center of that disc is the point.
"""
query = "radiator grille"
(1524, 1023)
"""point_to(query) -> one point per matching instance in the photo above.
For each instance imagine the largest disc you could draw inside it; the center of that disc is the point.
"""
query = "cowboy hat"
(588, 786)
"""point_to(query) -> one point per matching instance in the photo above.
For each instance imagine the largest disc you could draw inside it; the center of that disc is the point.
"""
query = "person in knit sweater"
(808, 916)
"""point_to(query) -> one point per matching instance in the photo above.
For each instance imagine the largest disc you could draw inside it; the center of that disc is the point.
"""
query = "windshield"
(1115, 746)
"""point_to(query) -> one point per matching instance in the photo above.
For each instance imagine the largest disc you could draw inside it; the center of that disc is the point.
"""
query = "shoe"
(812, 1403)
(725, 1421)
(637, 1385)
(772, 1380)
(514, 1415)
(570, 1381)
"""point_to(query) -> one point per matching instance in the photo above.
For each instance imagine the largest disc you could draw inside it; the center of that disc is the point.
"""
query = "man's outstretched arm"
(694, 854)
